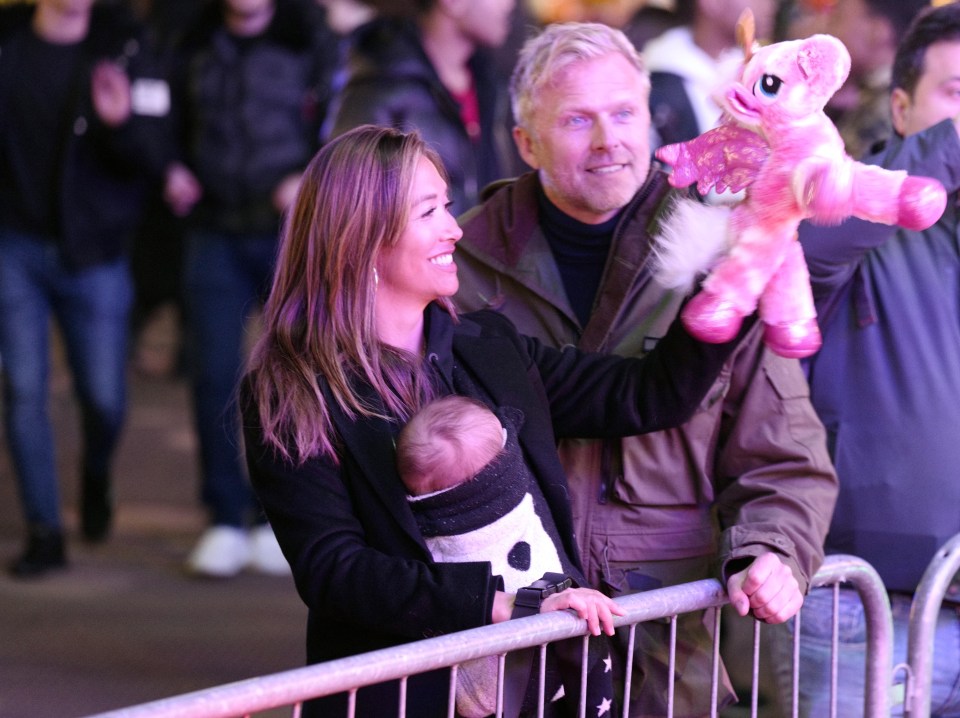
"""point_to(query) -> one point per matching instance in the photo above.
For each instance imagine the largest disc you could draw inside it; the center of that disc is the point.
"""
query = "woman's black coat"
(358, 559)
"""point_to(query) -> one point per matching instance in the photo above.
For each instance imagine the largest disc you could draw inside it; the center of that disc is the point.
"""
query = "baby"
(470, 490)
(473, 499)
(447, 443)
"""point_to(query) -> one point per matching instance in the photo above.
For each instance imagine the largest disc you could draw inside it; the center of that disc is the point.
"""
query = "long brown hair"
(354, 199)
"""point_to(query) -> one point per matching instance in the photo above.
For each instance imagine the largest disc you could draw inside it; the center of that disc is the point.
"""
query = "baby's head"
(446, 443)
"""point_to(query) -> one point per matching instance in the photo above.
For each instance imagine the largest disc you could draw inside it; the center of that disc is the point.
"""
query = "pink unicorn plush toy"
(776, 143)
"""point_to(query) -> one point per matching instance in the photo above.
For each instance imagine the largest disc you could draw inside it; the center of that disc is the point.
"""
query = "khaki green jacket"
(749, 473)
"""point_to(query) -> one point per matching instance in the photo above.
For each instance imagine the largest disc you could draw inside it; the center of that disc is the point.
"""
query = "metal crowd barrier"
(347, 675)
(290, 688)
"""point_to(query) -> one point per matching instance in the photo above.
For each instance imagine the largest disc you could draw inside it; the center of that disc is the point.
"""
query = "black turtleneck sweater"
(580, 251)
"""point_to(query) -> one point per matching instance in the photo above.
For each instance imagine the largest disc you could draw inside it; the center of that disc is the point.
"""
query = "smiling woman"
(419, 267)
(359, 333)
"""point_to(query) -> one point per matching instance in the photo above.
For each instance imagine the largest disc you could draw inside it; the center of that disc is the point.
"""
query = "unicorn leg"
(787, 310)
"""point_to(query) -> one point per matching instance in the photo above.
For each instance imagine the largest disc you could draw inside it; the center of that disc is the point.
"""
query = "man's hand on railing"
(592, 606)
(767, 588)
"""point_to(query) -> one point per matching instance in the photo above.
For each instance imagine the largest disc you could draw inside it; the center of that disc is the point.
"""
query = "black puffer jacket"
(249, 111)
(390, 81)
(105, 170)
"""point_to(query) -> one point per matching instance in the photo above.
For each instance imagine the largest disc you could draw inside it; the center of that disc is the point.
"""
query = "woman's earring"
(376, 279)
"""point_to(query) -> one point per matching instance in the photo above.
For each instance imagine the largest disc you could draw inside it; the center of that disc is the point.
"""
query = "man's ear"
(525, 144)
(900, 106)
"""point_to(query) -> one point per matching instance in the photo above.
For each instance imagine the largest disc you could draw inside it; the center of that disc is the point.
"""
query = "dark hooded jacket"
(390, 81)
(248, 111)
(104, 171)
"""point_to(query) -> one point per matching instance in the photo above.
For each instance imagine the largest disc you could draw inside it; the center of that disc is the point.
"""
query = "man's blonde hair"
(556, 47)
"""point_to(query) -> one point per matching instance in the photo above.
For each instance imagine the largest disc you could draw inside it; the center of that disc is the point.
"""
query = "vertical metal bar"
(352, 703)
(542, 682)
(584, 658)
(755, 688)
(501, 664)
(795, 685)
(672, 668)
(834, 650)
(715, 665)
(452, 694)
(715, 668)
(628, 676)
(879, 668)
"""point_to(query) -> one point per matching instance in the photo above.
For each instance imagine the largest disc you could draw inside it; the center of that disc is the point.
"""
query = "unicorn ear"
(824, 62)
(746, 33)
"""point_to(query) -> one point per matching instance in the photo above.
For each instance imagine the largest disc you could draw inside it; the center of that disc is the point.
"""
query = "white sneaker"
(265, 554)
(222, 552)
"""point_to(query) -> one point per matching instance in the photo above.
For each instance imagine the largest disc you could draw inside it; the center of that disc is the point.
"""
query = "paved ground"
(124, 624)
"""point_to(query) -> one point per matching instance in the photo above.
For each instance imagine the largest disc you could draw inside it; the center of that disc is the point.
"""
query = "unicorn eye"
(769, 85)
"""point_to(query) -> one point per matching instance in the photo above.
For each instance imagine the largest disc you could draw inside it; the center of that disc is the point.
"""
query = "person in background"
(250, 86)
(426, 65)
(81, 112)
(690, 62)
(653, 19)
(359, 334)
(887, 385)
(156, 258)
(745, 489)
(871, 30)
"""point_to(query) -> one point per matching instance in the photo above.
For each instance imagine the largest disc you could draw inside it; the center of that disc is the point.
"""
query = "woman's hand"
(594, 607)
